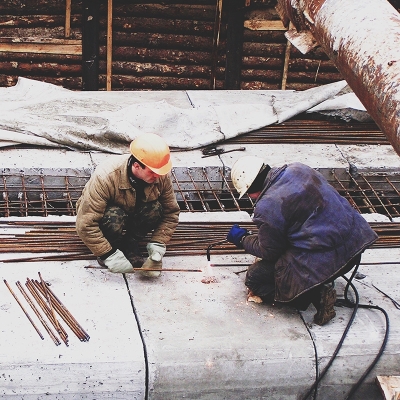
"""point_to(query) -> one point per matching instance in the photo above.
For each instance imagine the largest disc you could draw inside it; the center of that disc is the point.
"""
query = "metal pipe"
(365, 51)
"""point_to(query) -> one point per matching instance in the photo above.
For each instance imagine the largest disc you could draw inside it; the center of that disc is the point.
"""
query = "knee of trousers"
(260, 278)
(113, 222)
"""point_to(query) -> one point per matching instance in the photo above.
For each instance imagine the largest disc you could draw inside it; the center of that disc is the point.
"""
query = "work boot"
(325, 310)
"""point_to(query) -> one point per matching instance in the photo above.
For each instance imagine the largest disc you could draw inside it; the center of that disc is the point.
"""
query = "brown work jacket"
(109, 185)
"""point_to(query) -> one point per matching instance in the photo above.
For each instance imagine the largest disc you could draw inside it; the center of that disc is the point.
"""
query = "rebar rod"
(44, 308)
(23, 309)
(56, 324)
(36, 311)
(66, 315)
(66, 318)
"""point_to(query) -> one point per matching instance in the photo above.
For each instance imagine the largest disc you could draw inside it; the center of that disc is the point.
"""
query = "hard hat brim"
(163, 170)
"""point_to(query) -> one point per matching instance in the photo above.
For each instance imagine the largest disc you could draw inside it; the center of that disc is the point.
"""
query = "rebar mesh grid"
(198, 189)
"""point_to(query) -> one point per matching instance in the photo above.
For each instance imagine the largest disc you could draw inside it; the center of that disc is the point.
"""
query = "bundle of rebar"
(314, 131)
(43, 298)
(59, 241)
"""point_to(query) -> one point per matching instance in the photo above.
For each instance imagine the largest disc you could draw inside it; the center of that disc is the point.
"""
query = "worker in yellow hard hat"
(124, 200)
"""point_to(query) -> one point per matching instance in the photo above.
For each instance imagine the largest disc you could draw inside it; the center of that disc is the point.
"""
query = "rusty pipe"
(362, 38)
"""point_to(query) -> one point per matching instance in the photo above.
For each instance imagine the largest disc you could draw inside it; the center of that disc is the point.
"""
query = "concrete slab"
(314, 155)
(200, 341)
(44, 158)
(204, 341)
(369, 156)
(109, 365)
(366, 334)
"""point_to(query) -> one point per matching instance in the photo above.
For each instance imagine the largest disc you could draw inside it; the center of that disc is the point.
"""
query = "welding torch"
(212, 245)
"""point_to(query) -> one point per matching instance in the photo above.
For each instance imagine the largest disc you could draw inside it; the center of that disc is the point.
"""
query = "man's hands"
(117, 262)
(236, 234)
(156, 253)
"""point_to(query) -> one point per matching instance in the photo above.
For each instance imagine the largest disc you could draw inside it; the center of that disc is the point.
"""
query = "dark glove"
(236, 234)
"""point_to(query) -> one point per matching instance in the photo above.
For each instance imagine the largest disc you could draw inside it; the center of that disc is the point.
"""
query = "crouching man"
(125, 199)
(308, 235)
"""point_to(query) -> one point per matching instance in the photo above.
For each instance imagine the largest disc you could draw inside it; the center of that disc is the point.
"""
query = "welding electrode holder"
(211, 246)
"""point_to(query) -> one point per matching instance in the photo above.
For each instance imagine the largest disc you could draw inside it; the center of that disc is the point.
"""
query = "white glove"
(117, 262)
(156, 252)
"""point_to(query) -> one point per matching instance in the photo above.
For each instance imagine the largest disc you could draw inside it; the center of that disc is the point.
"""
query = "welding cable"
(355, 305)
(353, 315)
(395, 303)
(315, 353)
(145, 353)
(382, 348)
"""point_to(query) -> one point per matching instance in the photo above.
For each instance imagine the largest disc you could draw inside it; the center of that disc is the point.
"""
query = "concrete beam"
(362, 38)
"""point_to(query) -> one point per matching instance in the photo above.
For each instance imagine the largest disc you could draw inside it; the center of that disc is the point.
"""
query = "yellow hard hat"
(244, 172)
(152, 151)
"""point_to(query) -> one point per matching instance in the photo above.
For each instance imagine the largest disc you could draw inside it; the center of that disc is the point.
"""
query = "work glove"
(154, 260)
(236, 234)
(117, 262)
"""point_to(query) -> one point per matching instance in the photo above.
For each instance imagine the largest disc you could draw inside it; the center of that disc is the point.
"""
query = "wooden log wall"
(161, 46)
(36, 43)
(156, 45)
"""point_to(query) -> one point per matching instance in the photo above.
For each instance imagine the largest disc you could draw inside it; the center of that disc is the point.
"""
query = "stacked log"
(33, 43)
(156, 45)
(161, 46)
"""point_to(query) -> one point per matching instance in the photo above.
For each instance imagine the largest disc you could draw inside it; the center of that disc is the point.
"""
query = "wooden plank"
(286, 64)
(264, 25)
(68, 18)
(109, 45)
(390, 386)
(217, 32)
(49, 48)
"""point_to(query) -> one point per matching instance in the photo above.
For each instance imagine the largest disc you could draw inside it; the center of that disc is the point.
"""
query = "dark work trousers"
(260, 279)
(124, 231)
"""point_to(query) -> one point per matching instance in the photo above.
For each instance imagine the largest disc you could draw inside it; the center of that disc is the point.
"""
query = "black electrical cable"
(315, 353)
(382, 348)
(325, 370)
(145, 353)
(355, 305)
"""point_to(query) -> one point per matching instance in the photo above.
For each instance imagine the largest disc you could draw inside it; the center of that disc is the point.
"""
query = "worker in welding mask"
(308, 235)
(126, 200)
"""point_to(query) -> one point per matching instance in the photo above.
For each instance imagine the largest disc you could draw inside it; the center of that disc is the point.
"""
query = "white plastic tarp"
(43, 114)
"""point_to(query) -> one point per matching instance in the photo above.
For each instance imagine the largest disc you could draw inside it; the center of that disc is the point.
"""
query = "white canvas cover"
(43, 114)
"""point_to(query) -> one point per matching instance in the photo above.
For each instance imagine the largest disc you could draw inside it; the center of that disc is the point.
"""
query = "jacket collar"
(269, 180)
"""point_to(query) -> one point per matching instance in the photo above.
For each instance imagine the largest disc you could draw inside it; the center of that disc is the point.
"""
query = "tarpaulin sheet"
(43, 114)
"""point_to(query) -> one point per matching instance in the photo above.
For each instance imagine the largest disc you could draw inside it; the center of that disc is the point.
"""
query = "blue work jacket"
(306, 229)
